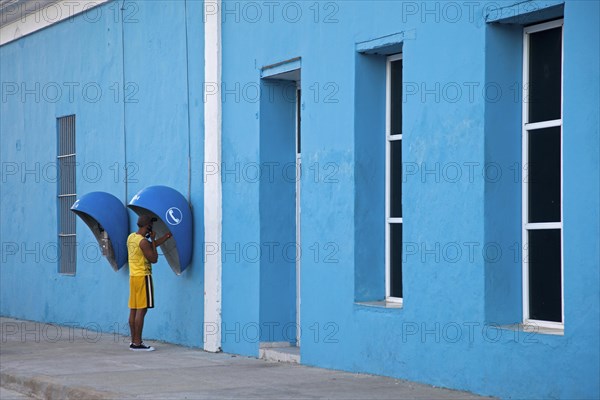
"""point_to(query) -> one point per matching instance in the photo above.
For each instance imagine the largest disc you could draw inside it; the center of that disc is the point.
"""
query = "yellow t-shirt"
(138, 265)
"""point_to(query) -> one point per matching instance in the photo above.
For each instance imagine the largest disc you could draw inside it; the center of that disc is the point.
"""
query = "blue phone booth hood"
(107, 217)
(172, 213)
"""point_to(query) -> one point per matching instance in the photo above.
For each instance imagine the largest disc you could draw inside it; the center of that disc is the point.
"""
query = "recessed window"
(394, 179)
(542, 186)
(67, 194)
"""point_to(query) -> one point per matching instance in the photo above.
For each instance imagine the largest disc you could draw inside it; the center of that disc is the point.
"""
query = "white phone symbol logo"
(174, 218)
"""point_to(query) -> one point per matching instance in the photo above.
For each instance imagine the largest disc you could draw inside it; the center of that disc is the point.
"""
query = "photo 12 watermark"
(460, 252)
(68, 91)
(465, 331)
(283, 253)
(272, 12)
(272, 172)
(325, 92)
(61, 172)
(453, 12)
(49, 12)
(16, 253)
(273, 331)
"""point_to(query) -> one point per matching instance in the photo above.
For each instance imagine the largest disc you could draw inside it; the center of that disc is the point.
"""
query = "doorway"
(280, 211)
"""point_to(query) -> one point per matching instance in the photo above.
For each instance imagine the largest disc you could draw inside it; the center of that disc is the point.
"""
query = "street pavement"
(52, 362)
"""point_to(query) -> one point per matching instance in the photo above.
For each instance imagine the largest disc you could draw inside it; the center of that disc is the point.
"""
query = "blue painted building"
(402, 188)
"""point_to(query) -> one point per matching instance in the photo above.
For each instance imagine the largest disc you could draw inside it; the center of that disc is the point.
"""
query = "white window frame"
(298, 144)
(388, 139)
(526, 227)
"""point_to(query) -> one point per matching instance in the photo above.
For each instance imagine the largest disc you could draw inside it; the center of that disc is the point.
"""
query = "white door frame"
(298, 143)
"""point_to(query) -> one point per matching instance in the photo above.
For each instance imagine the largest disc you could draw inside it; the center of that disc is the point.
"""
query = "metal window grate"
(67, 194)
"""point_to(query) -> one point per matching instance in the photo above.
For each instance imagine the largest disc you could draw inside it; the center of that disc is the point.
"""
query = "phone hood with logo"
(107, 217)
(172, 213)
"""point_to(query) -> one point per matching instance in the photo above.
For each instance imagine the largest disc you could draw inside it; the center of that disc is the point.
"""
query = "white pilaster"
(212, 176)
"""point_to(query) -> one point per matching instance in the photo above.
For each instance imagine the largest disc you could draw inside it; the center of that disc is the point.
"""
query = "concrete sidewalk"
(53, 362)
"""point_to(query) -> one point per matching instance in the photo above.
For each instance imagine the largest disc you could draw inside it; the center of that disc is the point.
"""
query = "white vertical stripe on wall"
(212, 182)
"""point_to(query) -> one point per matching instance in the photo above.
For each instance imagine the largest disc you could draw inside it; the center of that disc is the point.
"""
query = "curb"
(41, 387)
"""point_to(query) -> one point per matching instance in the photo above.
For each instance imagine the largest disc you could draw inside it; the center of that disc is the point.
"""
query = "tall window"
(66, 194)
(542, 186)
(393, 180)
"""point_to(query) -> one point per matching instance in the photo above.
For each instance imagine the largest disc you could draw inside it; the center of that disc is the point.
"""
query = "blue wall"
(462, 229)
(142, 119)
(461, 194)
(503, 278)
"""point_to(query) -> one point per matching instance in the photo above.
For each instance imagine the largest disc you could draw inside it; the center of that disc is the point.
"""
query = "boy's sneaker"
(140, 347)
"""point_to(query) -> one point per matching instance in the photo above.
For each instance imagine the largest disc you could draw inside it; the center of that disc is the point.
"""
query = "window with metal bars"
(67, 194)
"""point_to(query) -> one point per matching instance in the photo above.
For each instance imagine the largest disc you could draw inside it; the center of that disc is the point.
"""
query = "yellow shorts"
(141, 292)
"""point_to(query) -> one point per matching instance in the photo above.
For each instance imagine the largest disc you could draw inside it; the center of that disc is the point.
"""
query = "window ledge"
(534, 328)
(385, 305)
